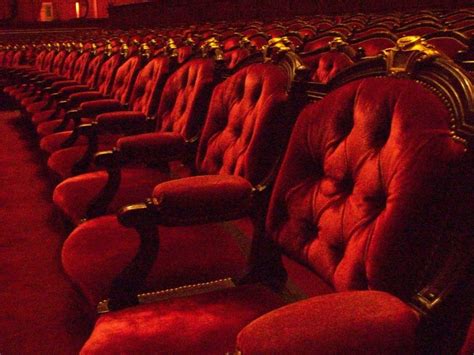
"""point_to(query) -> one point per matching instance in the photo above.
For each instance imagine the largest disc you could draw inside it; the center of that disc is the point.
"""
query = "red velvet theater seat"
(104, 82)
(244, 134)
(143, 102)
(368, 190)
(62, 161)
(86, 76)
(180, 116)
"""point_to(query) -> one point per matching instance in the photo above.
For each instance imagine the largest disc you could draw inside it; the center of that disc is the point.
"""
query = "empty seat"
(367, 191)
(244, 135)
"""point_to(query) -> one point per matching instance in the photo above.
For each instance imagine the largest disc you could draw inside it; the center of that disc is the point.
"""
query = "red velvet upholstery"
(359, 183)
(143, 100)
(124, 79)
(182, 110)
(374, 46)
(245, 120)
(106, 74)
(53, 142)
(94, 68)
(357, 322)
(95, 107)
(153, 147)
(361, 201)
(81, 67)
(144, 97)
(93, 260)
(197, 196)
(324, 66)
(448, 45)
(74, 194)
(243, 135)
(468, 347)
(203, 324)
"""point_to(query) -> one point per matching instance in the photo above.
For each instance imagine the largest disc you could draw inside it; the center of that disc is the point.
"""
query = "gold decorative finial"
(170, 49)
(409, 51)
(336, 43)
(144, 50)
(212, 47)
(124, 50)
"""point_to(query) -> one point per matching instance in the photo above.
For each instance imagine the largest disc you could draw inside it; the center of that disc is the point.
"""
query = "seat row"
(358, 186)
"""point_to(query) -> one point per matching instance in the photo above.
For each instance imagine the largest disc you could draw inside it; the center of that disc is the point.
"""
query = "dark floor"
(40, 311)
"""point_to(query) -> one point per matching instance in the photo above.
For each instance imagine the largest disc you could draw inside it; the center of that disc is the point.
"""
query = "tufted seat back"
(147, 85)
(80, 68)
(324, 66)
(58, 62)
(246, 116)
(48, 61)
(124, 79)
(69, 63)
(40, 59)
(184, 53)
(18, 58)
(8, 59)
(185, 98)
(93, 70)
(107, 73)
(361, 196)
(234, 57)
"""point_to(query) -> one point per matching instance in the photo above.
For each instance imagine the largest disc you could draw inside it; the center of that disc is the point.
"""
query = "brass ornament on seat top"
(108, 49)
(336, 43)
(212, 47)
(79, 47)
(276, 47)
(170, 49)
(124, 50)
(410, 50)
(144, 50)
(93, 48)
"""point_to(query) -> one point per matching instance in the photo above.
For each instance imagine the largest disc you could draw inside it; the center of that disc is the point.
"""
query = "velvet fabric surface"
(74, 194)
(205, 197)
(364, 181)
(182, 110)
(97, 250)
(200, 324)
(325, 66)
(357, 322)
(468, 347)
(246, 128)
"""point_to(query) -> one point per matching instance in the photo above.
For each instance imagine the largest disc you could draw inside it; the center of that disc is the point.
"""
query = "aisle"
(40, 312)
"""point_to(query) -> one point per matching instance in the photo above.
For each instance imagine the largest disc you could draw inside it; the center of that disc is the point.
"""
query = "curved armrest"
(203, 199)
(122, 121)
(69, 90)
(152, 147)
(195, 200)
(95, 107)
(57, 85)
(77, 98)
(343, 322)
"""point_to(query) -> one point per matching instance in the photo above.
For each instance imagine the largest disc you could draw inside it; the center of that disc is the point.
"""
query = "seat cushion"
(97, 250)
(53, 142)
(37, 106)
(360, 322)
(201, 324)
(62, 161)
(48, 127)
(42, 116)
(74, 194)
